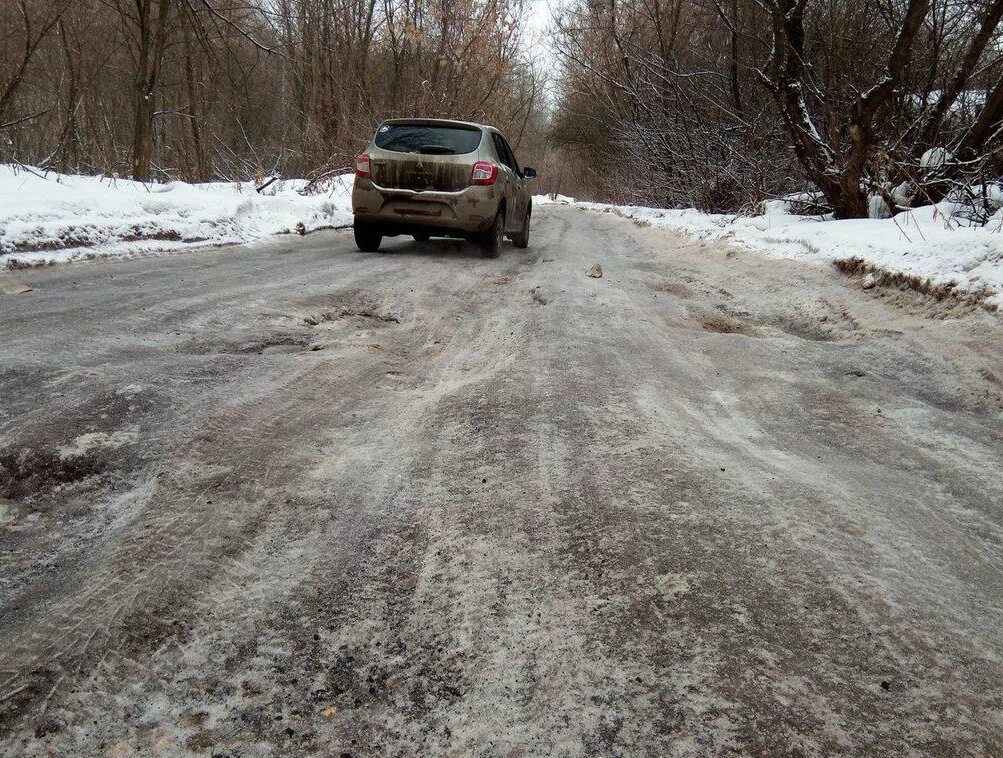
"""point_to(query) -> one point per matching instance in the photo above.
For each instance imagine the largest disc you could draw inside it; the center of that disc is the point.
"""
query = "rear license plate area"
(413, 209)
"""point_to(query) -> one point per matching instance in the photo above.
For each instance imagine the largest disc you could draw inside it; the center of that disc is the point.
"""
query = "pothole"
(722, 325)
(268, 344)
(362, 314)
(823, 329)
(25, 472)
(275, 344)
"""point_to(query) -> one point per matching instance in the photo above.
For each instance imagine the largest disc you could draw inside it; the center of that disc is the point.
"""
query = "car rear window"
(424, 138)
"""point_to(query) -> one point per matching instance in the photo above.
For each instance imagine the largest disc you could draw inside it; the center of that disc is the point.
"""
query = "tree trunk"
(201, 172)
(68, 137)
(736, 92)
(152, 41)
(142, 136)
(985, 125)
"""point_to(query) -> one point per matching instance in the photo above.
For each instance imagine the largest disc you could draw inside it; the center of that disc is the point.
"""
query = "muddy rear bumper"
(403, 211)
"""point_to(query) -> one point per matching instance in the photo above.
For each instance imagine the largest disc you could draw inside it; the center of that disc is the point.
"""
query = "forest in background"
(226, 89)
(876, 105)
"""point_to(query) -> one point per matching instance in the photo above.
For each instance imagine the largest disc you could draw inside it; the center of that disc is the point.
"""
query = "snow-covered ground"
(52, 218)
(929, 242)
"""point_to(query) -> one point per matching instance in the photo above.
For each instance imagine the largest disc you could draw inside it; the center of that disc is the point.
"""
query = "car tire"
(521, 239)
(491, 239)
(422, 237)
(367, 237)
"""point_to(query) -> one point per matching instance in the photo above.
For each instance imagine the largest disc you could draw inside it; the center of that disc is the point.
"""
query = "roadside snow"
(53, 218)
(927, 242)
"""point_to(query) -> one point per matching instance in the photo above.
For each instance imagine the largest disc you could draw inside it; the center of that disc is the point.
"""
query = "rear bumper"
(402, 211)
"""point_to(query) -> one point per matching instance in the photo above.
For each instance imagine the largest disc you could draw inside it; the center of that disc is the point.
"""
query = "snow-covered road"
(931, 248)
(293, 499)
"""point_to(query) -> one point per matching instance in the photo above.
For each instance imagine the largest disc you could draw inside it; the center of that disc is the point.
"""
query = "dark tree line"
(711, 103)
(222, 89)
(718, 103)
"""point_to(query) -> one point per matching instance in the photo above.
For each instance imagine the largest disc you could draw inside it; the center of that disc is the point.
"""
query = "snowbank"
(927, 243)
(51, 218)
(46, 218)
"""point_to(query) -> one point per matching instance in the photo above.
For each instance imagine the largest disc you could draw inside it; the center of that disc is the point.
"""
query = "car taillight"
(362, 165)
(484, 173)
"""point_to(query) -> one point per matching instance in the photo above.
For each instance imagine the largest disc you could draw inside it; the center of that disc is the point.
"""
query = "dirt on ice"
(294, 499)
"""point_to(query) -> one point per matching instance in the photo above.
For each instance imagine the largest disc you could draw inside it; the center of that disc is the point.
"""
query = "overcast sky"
(538, 27)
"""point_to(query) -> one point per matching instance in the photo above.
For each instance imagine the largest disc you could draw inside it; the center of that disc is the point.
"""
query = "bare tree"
(841, 171)
(149, 22)
(224, 88)
(37, 20)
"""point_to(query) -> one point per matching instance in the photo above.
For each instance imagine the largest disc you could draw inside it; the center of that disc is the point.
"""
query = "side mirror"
(528, 173)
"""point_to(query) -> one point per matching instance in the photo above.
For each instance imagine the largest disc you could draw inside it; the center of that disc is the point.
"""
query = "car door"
(521, 191)
(512, 184)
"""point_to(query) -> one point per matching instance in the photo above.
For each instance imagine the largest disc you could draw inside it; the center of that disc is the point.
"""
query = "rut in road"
(425, 504)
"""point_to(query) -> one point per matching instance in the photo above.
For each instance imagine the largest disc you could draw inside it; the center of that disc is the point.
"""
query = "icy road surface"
(295, 499)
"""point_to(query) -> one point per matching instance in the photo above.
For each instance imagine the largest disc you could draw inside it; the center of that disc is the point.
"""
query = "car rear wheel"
(521, 239)
(367, 237)
(492, 238)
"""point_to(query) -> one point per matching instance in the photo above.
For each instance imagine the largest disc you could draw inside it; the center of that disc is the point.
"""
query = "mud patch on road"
(991, 376)
(26, 472)
(675, 288)
(279, 343)
(357, 314)
(363, 308)
(817, 322)
(724, 325)
(538, 297)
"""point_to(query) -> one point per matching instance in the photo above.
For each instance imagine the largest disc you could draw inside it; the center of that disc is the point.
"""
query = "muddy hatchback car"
(431, 177)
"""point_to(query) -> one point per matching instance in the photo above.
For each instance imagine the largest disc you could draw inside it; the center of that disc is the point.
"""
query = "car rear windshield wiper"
(436, 150)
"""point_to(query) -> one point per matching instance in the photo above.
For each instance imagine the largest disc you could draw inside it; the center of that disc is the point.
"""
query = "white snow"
(930, 242)
(51, 218)
(935, 157)
(967, 102)
(553, 199)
